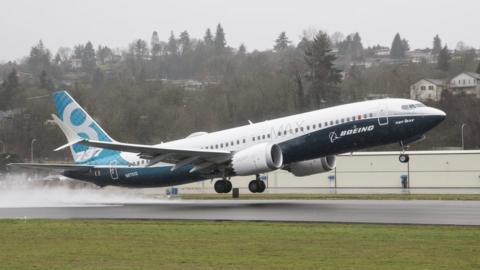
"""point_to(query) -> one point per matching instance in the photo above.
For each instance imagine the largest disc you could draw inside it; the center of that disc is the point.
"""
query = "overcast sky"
(254, 22)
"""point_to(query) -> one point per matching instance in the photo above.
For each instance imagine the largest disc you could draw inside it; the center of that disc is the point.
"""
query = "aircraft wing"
(200, 158)
(65, 167)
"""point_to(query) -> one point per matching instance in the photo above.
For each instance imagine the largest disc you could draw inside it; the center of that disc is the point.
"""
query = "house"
(467, 83)
(422, 56)
(427, 89)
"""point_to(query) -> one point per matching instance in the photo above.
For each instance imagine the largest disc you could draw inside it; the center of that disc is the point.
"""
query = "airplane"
(303, 144)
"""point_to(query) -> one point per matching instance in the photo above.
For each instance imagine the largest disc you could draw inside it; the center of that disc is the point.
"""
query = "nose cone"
(437, 116)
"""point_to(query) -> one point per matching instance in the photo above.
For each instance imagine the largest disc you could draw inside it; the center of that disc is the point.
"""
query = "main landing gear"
(223, 186)
(257, 185)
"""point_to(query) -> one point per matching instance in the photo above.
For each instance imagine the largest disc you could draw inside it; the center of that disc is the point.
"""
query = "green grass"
(111, 244)
(332, 196)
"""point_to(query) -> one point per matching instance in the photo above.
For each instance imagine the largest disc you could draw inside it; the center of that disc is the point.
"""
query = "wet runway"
(349, 211)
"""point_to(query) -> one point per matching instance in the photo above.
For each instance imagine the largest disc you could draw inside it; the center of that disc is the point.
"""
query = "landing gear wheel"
(261, 187)
(228, 187)
(404, 158)
(223, 186)
(253, 186)
(257, 186)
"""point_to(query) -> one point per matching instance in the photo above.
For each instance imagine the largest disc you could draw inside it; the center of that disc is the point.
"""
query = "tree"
(323, 75)
(437, 45)
(103, 54)
(39, 58)
(444, 58)
(208, 38)
(220, 41)
(11, 92)
(399, 47)
(242, 50)
(155, 47)
(478, 68)
(45, 81)
(88, 58)
(185, 44)
(282, 42)
(172, 47)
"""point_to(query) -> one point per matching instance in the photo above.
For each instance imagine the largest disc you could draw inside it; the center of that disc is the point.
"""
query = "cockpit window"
(412, 106)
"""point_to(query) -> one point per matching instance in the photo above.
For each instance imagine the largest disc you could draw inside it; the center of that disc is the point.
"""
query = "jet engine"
(260, 158)
(313, 166)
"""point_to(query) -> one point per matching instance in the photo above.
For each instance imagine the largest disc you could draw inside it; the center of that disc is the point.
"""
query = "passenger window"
(268, 135)
(238, 141)
(279, 134)
(244, 141)
(258, 138)
(371, 115)
(336, 122)
(263, 137)
(296, 130)
(301, 129)
(285, 132)
(326, 123)
(314, 126)
(308, 127)
(226, 145)
(343, 120)
(221, 145)
(253, 139)
(319, 125)
(331, 123)
(216, 146)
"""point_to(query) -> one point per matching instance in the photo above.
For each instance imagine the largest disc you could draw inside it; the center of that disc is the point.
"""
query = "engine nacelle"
(313, 166)
(260, 158)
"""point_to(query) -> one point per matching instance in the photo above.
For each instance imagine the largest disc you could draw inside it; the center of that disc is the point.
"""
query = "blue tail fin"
(75, 118)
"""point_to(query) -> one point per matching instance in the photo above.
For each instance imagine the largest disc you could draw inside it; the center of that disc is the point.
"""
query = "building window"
(423, 88)
(430, 87)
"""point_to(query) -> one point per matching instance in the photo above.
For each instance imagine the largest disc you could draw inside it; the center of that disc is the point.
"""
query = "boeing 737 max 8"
(303, 144)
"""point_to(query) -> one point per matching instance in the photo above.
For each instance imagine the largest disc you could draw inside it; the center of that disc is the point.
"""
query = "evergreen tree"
(478, 68)
(242, 50)
(185, 43)
(437, 45)
(208, 38)
(88, 58)
(39, 58)
(11, 92)
(103, 54)
(399, 47)
(444, 58)
(357, 48)
(282, 42)
(323, 75)
(155, 47)
(45, 81)
(220, 41)
(172, 47)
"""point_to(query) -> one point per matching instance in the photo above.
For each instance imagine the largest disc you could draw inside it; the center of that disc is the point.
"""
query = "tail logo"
(84, 127)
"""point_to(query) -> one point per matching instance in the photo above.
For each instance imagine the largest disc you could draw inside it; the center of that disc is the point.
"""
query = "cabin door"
(383, 115)
(113, 170)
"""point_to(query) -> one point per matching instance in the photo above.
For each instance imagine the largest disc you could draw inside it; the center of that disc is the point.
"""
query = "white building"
(427, 89)
(467, 83)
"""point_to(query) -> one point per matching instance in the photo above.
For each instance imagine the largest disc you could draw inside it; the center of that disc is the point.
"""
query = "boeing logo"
(333, 135)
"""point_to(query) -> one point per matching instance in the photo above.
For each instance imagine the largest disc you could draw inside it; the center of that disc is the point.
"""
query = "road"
(348, 211)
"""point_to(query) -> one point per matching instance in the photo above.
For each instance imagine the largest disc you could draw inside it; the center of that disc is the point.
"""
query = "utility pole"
(31, 149)
(461, 131)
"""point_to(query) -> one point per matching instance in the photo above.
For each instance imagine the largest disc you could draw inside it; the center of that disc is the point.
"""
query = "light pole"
(461, 130)
(3, 146)
(31, 149)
